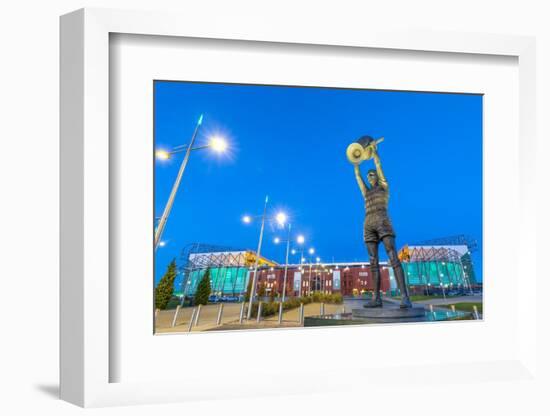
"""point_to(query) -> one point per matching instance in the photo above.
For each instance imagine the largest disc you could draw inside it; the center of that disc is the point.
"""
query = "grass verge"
(465, 306)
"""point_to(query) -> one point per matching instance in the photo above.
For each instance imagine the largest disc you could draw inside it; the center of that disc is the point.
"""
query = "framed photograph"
(317, 258)
(252, 205)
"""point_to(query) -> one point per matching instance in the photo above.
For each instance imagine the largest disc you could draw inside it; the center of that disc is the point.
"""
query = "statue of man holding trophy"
(377, 225)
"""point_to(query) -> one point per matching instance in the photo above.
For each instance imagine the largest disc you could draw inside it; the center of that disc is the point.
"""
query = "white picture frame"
(86, 356)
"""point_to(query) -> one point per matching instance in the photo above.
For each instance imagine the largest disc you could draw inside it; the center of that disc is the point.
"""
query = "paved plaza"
(230, 318)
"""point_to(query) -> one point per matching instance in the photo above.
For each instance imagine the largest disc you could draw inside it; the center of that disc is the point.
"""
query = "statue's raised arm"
(381, 177)
(362, 185)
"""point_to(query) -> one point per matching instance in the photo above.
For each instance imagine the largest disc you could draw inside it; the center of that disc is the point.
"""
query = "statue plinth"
(389, 311)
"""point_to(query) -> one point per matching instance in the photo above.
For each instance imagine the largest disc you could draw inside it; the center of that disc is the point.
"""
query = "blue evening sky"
(289, 143)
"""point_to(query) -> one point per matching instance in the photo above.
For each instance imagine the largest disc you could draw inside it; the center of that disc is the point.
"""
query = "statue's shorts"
(377, 230)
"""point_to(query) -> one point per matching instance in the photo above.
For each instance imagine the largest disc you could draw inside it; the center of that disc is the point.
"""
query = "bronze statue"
(377, 225)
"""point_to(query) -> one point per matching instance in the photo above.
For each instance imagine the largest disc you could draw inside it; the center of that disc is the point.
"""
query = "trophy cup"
(361, 150)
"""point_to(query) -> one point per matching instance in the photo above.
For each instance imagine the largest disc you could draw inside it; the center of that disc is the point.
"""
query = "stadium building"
(229, 269)
(436, 268)
(429, 269)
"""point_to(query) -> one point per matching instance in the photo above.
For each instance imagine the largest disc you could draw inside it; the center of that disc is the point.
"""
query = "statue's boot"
(400, 279)
(376, 302)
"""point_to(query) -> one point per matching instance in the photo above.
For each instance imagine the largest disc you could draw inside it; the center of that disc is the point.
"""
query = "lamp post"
(317, 271)
(302, 262)
(300, 240)
(311, 252)
(302, 277)
(216, 143)
(281, 219)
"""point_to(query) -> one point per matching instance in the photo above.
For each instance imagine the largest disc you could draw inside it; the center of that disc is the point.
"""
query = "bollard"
(280, 312)
(241, 314)
(432, 310)
(476, 314)
(197, 315)
(175, 316)
(157, 312)
(259, 317)
(191, 320)
(301, 314)
(220, 314)
(453, 309)
(322, 308)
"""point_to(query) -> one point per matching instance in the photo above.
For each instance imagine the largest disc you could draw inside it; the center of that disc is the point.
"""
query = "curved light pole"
(216, 144)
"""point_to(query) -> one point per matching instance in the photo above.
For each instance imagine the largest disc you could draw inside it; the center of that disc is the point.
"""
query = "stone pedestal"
(389, 312)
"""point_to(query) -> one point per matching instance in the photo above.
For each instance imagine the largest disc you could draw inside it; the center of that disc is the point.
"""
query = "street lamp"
(317, 260)
(300, 240)
(216, 143)
(247, 219)
(281, 218)
(311, 252)
(162, 154)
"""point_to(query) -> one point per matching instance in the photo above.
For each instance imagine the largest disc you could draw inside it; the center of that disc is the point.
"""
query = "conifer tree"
(203, 289)
(165, 287)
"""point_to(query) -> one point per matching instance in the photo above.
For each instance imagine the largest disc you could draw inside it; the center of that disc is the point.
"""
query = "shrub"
(272, 308)
(337, 298)
(305, 300)
(317, 297)
(291, 303)
(268, 309)
(173, 303)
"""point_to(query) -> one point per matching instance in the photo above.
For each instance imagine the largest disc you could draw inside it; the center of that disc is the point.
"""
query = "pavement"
(231, 312)
(230, 318)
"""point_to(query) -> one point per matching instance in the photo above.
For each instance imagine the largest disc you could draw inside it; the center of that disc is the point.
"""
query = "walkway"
(230, 318)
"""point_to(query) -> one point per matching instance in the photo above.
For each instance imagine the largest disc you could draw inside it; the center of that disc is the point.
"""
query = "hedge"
(272, 308)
